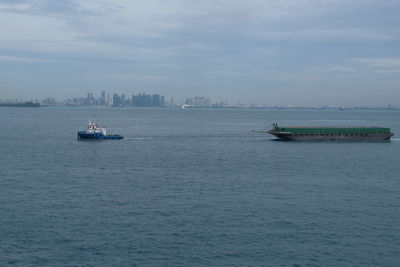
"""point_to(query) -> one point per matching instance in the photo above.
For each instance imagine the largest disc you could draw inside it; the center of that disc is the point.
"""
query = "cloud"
(343, 35)
(130, 76)
(358, 66)
(102, 26)
(378, 63)
(15, 6)
(337, 69)
(23, 59)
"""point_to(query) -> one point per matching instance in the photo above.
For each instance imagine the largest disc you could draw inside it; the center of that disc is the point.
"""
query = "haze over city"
(264, 52)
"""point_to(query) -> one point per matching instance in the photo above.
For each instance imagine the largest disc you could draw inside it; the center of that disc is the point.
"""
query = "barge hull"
(332, 137)
(293, 133)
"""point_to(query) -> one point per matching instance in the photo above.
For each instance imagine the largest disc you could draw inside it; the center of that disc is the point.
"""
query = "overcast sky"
(283, 52)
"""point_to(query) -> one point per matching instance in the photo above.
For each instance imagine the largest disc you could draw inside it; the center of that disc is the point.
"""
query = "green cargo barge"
(331, 133)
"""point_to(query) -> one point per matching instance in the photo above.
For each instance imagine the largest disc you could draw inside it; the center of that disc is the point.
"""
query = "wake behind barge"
(331, 133)
(95, 132)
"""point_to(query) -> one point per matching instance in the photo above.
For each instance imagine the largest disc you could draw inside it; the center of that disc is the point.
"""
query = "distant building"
(198, 101)
(145, 100)
(156, 101)
(49, 101)
(102, 100)
(140, 100)
(116, 100)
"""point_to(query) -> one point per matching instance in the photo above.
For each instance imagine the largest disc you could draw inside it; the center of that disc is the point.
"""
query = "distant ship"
(21, 105)
(331, 133)
(95, 132)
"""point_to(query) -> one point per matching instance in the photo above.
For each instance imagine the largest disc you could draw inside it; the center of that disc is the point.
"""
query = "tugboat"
(95, 132)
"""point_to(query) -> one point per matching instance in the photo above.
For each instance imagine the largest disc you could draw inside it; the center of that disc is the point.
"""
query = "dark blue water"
(195, 188)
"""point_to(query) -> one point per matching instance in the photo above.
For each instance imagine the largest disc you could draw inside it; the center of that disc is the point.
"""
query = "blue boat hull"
(83, 135)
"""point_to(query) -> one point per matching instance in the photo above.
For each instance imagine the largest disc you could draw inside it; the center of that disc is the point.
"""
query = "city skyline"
(262, 52)
(114, 99)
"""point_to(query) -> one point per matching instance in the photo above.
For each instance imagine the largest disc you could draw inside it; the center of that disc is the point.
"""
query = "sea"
(195, 187)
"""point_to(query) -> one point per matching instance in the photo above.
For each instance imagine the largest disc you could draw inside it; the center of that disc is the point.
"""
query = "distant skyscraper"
(198, 101)
(90, 99)
(156, 101)
(109, 100)
(102, 101)
(140, 100)
(133, 100)
(116, 100)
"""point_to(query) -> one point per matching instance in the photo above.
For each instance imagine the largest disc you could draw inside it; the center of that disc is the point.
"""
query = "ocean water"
(195, 188)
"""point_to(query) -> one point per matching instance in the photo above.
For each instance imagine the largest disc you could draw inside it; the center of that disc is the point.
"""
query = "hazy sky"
(298, 52)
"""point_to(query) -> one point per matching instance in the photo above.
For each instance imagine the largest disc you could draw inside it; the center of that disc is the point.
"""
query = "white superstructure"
(95, 128)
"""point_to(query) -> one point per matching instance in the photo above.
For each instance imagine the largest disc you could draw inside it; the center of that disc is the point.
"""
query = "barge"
(331, 133)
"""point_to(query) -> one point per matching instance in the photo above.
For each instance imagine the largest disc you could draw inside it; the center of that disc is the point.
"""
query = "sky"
(264, 52)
